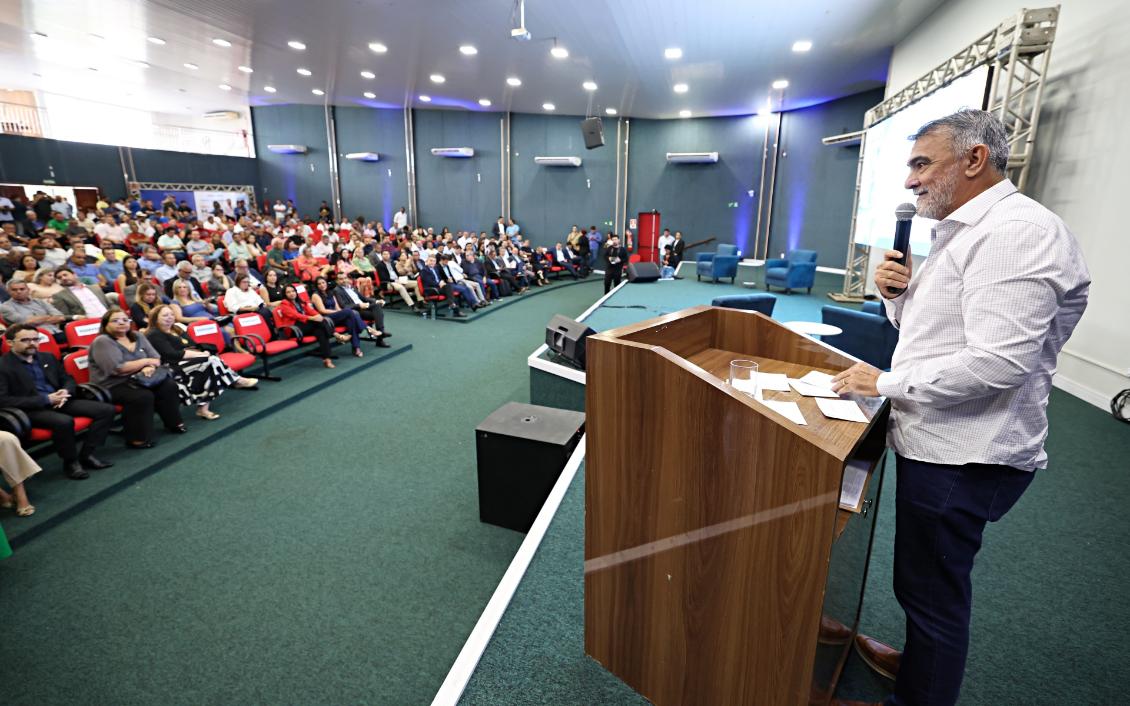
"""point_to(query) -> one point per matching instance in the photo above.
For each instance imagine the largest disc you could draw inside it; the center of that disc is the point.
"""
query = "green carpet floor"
(1048, 584)
(329, 552)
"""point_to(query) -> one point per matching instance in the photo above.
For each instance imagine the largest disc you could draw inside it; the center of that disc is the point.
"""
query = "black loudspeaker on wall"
(593, 131)
(566, 337)
(643, 272)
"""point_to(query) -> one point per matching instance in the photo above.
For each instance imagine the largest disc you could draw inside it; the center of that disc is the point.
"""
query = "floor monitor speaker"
(566, 337)
(643, 272)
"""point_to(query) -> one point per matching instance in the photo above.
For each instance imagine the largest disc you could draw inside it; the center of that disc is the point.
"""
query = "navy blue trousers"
(941, 512)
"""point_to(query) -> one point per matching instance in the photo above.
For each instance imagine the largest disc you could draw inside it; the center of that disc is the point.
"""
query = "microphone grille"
(905, 211)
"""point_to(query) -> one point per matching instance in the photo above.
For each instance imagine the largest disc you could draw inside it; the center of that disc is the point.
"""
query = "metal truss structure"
(135, 188)
(1018, 52)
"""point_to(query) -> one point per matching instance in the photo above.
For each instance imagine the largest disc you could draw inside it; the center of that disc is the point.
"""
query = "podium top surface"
(703, 340)
(533, 422)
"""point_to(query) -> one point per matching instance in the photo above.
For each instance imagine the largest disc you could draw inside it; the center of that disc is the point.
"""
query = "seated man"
(389, 277)
(563, 258)
(434, 283)
(453, 275)
(150, 260)
(241, 267)
(184, 271)
(369, 308)
(85, 270)
(23, 309)
(76, 300)
(35, 382)
(168, 268)
(474, 271)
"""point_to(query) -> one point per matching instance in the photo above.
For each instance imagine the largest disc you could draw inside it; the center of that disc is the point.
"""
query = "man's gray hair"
(968, 128)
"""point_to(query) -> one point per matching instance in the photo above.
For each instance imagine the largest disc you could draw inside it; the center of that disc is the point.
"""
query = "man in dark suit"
(614, 256)
(562, 257)
(35, 383)
(678, 248)
(500, 228)
(434, 283)
(370, 309)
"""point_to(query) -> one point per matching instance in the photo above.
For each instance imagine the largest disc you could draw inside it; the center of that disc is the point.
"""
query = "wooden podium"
(719, 565)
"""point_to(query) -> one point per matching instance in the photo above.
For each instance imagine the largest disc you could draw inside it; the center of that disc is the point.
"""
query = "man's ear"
(977, 161)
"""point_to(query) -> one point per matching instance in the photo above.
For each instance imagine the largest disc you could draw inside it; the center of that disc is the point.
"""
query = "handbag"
(160, 374)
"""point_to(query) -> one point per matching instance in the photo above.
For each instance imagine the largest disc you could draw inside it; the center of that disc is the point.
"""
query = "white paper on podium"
(846, 410)
(817, 378)
(773, 381)
(748, 386)
(811, 390)
(789, 410)
(855, 476)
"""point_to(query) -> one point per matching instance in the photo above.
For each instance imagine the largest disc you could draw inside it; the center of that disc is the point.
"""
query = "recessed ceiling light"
(295, 44)
(318, 92)
(681, 88)
(559, 53)
(377, 47)
(672, 53)
(142, 64)
(780, 84)
(684, 113)
(437, 78)
(468, 50)
(246, 69)
(609, 111)
(425, 99)
(190, 65)
(304, 72)
(802, 45)
(484, 102)
(548, 106)
(370, 95)
(269, 89)
(225, 87)
(221, 42)
(38, 35)
(156, 40)
(514, 81)
(589, 85)
(368, 74)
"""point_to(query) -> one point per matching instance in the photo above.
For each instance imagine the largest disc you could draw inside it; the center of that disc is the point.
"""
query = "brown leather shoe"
(881, 658)
(833, 632)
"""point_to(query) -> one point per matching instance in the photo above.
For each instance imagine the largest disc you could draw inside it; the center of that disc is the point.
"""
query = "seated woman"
(307, 267)
(16, 467)
(272, 289)
(326, 304)
(29, 266)
(146, 298)
(119, 354)
(218, 281)
(292, 312)
(242, 299)
(43, 285)
(200, 376)
(192, 307)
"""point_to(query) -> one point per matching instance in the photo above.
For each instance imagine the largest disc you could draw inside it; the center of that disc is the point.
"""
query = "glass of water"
(743, 377)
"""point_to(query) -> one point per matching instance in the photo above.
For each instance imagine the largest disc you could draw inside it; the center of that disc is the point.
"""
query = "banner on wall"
(206, 202)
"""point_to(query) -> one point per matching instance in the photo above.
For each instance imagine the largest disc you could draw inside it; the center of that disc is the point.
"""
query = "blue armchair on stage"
(723, 263)
(867, 334)
(796, 271)
(749, 302)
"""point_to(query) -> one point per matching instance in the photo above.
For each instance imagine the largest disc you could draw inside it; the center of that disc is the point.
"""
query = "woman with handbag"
(200, 375)
(292, 312)
(129, 366)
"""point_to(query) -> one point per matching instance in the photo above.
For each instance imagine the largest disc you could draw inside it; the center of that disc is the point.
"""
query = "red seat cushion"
(309, 339)
(237, 361)
(276, 347)
(45, 434)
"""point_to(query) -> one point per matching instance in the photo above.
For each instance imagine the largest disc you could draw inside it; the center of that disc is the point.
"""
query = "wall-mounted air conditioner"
(287, 149)
(692, 157)
(558, 161)
(364, 156)
(461, 152)
(845, 140)
(222, 115)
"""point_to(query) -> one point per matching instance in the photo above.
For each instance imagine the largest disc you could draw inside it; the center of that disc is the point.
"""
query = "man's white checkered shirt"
(980, 327)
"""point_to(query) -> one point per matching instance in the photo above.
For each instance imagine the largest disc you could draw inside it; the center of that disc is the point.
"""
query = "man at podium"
(981, 324)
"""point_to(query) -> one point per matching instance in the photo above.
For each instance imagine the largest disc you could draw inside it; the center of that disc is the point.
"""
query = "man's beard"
(938, 197)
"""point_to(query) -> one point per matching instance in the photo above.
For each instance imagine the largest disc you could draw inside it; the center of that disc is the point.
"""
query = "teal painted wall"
(461, 194)
(304, 178)
(812, 201)
(374, 190)
(696, 198)
(546, 201)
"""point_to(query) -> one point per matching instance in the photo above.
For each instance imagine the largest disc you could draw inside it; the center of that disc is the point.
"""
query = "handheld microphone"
(903, 215)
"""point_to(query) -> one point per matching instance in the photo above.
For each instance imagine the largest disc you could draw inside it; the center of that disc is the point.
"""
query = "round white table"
(814, 328)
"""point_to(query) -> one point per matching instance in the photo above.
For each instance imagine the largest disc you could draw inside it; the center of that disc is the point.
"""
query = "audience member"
(36, 383)
(22, 309)
(292, 312)
(326, 304)
(370, 309)
(433, 284)
(76, 300)
(16, 467)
